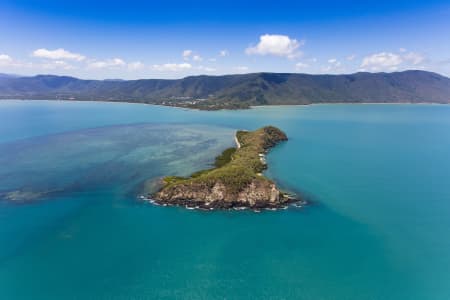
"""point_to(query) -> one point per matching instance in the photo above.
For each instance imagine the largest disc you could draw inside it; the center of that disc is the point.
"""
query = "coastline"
(199, 205)
(347, 103)
(100, 101)
(240, 109)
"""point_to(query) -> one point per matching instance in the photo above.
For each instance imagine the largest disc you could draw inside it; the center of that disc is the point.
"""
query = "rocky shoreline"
(237, 181)
(225, 205)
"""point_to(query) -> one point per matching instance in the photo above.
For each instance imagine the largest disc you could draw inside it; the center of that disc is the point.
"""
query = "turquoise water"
(378, 226)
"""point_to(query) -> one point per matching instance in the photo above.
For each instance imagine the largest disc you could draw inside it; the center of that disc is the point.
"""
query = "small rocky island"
(236, 182)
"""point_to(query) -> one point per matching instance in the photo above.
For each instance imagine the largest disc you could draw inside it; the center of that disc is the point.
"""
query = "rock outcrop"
(258, 194)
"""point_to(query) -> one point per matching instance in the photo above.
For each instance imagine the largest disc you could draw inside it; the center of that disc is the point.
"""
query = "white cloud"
(57, 64)
(414, 58)
(301, 66)
(5, 59)
(172, 67)
(224, 52)
(189, 54)
(206, 69)
(277, 45)
(110, 63)
(392, 61)
(351, 57)
(117, 62)
(381, 61)
(241, 68)
(136, 65)
(57, 54)
(8, 61)
(334, 65)
(186, 54)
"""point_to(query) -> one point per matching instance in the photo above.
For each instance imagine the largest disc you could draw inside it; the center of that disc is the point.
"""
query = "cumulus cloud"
(391, 61)
(241, 68)
(5, 59)
(8, 61)
(223, 53)
(332, 61)
(206, 69)
(333, 65)
(382, 60)
(187, 54)
(109, 63)
(57, 64)
(414, 58)
(115, 63)
(277, 45)
(351, 57)
(57, 54)
(172, 67)
(136, 65)
(301, 66)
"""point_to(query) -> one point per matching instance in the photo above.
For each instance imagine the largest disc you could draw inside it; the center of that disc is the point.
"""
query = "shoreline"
(96, 101)
(241, 109)
(201, 206)
(225, 206)
(347, 103)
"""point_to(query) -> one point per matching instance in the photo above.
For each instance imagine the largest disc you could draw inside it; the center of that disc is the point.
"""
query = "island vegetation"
(236, 181)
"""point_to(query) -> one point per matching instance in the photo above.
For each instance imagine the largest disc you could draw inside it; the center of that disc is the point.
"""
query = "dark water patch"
(116, 155)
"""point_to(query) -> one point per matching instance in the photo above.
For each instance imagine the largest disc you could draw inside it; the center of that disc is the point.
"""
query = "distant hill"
(4, 75)
(237, 91)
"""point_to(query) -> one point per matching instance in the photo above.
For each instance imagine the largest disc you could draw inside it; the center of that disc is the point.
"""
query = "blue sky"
(173, 39)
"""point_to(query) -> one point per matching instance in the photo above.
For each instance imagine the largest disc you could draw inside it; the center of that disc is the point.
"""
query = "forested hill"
(238, 91)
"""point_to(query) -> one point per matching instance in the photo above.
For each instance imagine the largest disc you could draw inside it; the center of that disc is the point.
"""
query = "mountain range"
(238, 91)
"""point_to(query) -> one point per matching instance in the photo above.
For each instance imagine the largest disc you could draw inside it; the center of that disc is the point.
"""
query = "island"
(236, 181)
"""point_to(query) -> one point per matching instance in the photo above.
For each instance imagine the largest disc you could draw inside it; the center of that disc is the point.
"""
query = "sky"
(174, 39)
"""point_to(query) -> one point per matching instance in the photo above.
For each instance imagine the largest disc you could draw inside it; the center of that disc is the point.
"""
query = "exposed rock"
(257, 194)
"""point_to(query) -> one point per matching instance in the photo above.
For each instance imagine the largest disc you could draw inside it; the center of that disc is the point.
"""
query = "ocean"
(377, 226)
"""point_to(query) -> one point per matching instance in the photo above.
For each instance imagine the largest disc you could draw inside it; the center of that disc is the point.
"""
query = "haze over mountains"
(233, 91)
